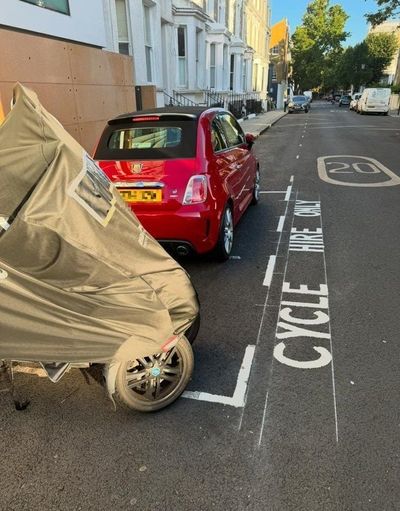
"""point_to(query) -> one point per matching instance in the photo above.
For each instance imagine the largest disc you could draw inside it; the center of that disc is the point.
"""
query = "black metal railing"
(243, 104)
(213, 99)
(183, 100)
(170, 100)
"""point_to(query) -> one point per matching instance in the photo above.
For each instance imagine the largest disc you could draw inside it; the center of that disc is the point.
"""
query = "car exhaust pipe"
(182, 250)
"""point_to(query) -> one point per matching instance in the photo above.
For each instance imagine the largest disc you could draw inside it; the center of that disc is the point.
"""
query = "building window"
(148, 48)
(122, 27)
(212, 65)
(225, 67)
(199, 44)
(273, 76)
(275, 50)
(182, 57)
(232, 72)
(244, 75)
(255, 77)
(54, 5)
(216, 10)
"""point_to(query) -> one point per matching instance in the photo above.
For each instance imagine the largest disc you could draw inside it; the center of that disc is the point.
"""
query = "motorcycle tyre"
(127, 398)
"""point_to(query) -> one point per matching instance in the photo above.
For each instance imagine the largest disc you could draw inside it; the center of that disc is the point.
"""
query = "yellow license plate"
(136, 195)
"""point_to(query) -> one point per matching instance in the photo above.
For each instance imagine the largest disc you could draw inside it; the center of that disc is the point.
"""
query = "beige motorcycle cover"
(80, 279)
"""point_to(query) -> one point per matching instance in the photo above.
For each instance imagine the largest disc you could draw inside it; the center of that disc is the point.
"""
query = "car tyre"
(151, 383)
(193, 330)
(256, 190)
(224, 244)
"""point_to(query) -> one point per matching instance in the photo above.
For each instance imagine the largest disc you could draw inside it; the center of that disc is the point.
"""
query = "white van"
(374, 100)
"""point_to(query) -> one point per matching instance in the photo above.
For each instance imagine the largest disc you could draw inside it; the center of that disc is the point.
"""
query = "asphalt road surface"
(294, 404)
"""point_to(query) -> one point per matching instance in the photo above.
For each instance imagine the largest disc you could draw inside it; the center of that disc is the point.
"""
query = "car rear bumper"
(195, 228)
(377, 109)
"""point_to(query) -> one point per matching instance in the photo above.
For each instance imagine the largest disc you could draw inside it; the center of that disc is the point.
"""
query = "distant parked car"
(344, 100)
(308, 94)
(374, 101)
(354, 100)
(298, 104)
(188, 174)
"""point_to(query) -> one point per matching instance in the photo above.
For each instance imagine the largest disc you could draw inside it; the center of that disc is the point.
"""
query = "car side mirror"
(250, 139)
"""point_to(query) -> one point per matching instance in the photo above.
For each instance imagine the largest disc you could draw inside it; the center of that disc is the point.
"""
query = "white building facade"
(185, 48)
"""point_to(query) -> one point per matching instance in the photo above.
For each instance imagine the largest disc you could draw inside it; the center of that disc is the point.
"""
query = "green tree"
(317, 42)
(365, 63)
(381, 50)
(387, 9)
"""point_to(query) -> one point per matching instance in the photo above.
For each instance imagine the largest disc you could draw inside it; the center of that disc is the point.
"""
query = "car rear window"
(150, 140)
(299, 98)
(146, 138)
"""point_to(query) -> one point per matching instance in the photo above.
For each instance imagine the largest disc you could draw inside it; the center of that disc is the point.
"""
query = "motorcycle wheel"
(152, 383)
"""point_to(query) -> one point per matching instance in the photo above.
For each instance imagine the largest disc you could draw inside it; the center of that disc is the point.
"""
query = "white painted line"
(280, 224)
(297, 157)
(302, 136)
(300, 145)
(288, 193)
(291, 179)
(238, 400)
(270, 270)
(268, 191)
(263, 420)
(239, 396)
(331, 346)
(276, 332)
(235, 257)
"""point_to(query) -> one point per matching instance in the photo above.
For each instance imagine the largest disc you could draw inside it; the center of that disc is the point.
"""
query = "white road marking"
(270, 269)
(359, 126)
(288, 193)
(297, 157)
(276, 331)
(269, 191)
(235, 257)
(331, 346)
(300, 145)
(355, 162)
(238, 400)
(291, 179)
(263, 420)
(280, 224)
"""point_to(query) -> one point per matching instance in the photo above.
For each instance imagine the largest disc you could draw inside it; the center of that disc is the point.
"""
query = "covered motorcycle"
(81, 281)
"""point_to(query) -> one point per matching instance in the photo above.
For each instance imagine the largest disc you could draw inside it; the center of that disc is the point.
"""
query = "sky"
(357, 25)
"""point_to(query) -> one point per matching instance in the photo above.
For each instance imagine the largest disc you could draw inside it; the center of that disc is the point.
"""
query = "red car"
(188, 174)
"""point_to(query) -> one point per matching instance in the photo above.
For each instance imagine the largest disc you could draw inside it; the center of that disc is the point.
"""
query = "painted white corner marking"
(288, 193)
(280, 224)
(270, 271)
(238, 400)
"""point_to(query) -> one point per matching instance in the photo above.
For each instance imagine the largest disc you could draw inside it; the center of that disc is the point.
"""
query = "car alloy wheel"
(151, 383)
(256, 189)
(224, 244)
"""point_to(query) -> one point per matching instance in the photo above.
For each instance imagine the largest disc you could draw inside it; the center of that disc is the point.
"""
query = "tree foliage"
(387, 9)
(316, 42)
(365, 63)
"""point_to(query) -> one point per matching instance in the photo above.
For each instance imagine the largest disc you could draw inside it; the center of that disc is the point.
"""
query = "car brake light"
(145, 118)
(196, 190)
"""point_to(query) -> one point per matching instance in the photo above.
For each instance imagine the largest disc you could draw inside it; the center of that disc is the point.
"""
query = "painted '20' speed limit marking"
(359, 171)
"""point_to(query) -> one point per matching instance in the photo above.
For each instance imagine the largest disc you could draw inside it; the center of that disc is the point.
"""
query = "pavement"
(294, 402)
(260, 123)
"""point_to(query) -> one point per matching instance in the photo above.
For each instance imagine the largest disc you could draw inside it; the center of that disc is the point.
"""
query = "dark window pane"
(233, 131)
(54, 5)
(217, 139)
(123, 48)
(181, 42)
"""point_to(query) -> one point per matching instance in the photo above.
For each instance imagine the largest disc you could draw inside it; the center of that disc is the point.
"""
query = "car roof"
(186, 111)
